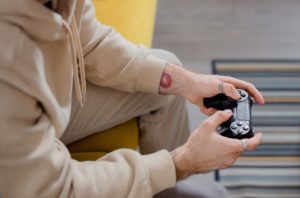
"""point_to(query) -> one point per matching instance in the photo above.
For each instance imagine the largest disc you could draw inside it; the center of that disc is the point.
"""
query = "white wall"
(200, 30)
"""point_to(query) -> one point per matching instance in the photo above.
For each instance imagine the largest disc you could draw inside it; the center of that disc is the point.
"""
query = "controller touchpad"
(243, 111)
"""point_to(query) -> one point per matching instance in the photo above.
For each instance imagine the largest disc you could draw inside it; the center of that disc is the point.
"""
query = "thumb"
(220, 117)
(253, 142)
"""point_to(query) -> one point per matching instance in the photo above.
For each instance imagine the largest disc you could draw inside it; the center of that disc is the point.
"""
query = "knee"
(166, 55)
(169, 103)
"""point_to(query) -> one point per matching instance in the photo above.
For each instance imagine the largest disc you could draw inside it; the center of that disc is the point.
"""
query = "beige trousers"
(163, 120)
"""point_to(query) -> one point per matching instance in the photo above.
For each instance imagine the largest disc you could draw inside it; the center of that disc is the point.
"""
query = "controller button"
(240, 123)
(241, 131)
(234, 126)
(246, 127)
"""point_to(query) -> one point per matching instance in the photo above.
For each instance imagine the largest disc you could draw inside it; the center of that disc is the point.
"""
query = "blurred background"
(258, 41)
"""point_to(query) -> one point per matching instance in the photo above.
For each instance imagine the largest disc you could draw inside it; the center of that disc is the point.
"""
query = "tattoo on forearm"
(166, 80)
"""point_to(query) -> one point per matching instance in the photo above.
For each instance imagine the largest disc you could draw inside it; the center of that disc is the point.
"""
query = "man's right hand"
(206, 150)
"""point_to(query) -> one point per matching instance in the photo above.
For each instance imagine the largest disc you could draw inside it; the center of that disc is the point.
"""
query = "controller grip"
(220, 102)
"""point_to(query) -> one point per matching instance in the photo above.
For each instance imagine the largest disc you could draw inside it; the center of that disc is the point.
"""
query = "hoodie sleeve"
(114, 62)
(34, 163)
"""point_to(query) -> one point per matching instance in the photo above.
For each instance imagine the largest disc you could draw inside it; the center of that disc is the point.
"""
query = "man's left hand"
(194, 87)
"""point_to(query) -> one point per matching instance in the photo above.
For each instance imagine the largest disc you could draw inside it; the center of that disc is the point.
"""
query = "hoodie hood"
(41, 23)
(38, 21)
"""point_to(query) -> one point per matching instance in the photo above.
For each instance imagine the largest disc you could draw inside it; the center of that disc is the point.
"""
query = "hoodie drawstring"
(80, 58)
(79, 78)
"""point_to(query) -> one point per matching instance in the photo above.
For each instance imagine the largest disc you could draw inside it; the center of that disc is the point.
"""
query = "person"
(65, 76)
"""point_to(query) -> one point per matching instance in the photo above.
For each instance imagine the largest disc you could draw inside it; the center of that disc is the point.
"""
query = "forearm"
(174, 80)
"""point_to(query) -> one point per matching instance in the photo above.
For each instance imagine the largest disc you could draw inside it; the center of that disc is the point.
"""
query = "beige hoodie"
(42, 53)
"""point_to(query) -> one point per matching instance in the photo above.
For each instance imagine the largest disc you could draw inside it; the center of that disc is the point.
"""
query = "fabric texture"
(36, 93)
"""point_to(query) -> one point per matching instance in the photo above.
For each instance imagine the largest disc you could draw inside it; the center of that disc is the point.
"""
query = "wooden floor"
(198, 31)
(201, 30)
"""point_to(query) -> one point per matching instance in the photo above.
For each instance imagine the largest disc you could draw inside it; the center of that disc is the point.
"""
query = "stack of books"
(273, 170)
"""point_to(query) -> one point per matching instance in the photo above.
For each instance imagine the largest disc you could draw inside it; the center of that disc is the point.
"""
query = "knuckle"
(231, 78)
(231, 87)
(251, 147)
(228, 163)
(221, 115)
(207, 123)
(204, 123)
(231, 161)
(250, 85)
(223, 166)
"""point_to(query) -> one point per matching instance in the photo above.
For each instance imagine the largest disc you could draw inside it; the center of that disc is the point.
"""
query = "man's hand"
(206, 150)
(194, 87)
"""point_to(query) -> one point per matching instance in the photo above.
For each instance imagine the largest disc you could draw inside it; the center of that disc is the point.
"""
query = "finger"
(219, 117)
(207, 111)
(231, 91)
(253, 142)
(244, 85)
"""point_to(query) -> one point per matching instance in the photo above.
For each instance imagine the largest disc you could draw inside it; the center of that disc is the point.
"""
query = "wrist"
(180, 163)
(173, 80)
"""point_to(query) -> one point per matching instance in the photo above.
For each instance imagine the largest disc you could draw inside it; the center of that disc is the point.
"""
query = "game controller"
(240, 124)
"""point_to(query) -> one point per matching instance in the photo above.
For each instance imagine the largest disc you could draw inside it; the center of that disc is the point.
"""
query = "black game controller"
(240, 125)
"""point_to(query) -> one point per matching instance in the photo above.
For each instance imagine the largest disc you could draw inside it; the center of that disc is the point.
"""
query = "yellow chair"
(97, 145)
(134, 19)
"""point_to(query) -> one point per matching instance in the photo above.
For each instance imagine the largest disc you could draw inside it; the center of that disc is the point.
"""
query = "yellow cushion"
(134, 19)
(87, 156)
(122, 136)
